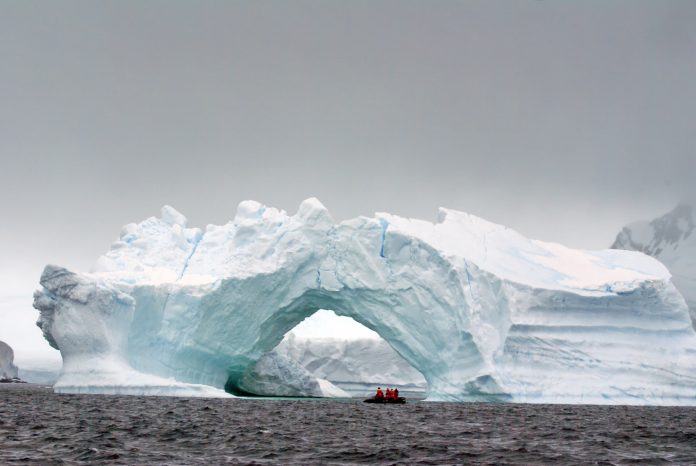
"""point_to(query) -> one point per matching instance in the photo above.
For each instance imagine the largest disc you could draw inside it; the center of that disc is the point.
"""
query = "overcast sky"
(564, 120)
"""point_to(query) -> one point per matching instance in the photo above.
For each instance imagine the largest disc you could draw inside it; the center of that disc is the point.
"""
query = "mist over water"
(40, 427)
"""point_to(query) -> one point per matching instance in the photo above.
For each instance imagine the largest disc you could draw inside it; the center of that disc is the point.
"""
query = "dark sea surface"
(40, 427)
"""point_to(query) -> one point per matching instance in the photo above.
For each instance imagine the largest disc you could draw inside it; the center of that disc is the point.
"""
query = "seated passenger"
(380, 394)
(395, 392)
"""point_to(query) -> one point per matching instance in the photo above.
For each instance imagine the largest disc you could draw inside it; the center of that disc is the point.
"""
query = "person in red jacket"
(380, 394)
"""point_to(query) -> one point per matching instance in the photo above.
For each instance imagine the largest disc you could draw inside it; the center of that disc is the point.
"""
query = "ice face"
(481, 311)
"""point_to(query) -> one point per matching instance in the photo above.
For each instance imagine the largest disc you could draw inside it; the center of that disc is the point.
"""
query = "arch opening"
(343, 356)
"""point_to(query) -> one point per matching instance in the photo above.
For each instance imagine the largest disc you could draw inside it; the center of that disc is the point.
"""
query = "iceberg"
(8, 370)
(278, 375)
(482, 312)
(357, 366)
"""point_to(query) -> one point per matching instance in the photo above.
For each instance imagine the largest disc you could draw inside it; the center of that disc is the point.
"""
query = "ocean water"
(40, 427)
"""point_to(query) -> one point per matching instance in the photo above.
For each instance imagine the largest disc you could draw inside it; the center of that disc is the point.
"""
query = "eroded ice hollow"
(481, 311)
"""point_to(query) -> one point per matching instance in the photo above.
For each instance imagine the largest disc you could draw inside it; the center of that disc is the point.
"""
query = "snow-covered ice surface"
(672, 240)
(7, 368)
(481, 311)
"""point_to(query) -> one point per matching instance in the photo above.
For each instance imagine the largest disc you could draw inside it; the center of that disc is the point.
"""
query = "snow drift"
(481, 311)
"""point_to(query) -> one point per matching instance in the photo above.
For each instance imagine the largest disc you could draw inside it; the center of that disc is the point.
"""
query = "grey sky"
(564, 120)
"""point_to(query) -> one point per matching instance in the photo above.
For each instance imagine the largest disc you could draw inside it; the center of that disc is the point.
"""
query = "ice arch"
(376, 312)
(238, 320)
(479, 310)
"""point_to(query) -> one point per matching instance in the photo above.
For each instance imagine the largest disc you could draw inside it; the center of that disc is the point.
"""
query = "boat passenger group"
(390, 394)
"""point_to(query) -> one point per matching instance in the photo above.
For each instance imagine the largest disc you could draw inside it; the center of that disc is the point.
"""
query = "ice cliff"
(481, 311)
(7, 369)
(671, 239)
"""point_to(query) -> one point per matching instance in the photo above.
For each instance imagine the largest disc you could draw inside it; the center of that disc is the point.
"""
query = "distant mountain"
(671, 239)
